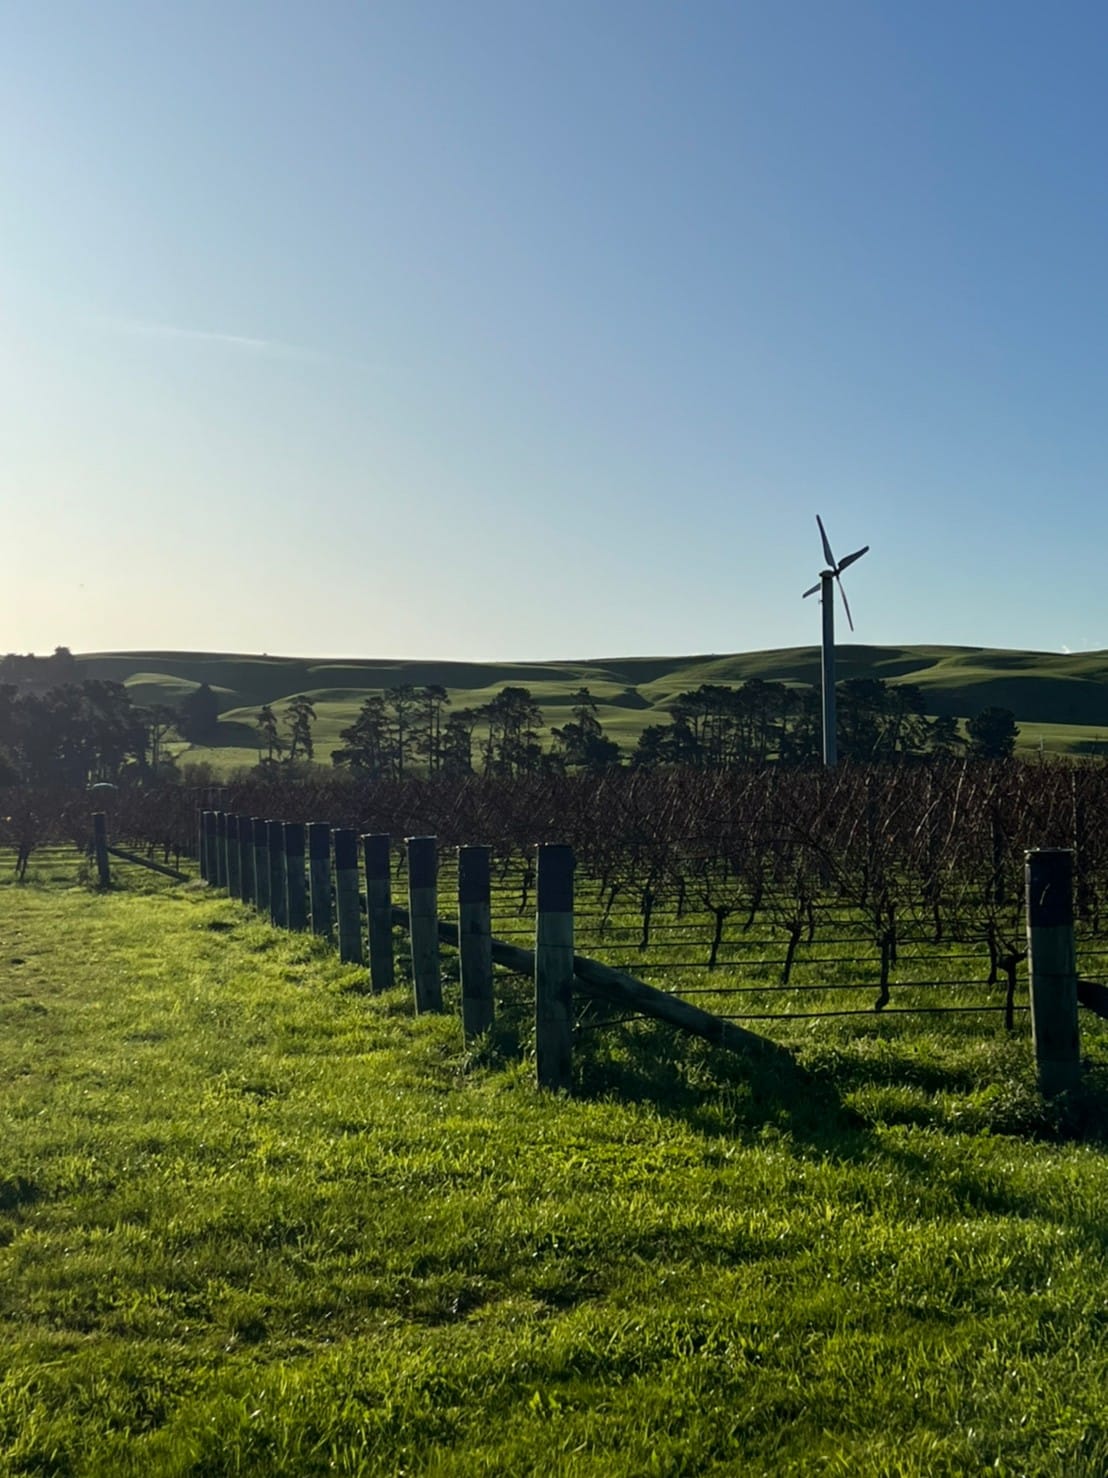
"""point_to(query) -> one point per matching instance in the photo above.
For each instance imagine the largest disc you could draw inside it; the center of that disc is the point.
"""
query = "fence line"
(283, 869)
(558, 971)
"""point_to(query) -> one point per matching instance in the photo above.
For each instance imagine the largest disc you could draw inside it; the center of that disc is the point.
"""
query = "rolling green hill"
(1060, 700)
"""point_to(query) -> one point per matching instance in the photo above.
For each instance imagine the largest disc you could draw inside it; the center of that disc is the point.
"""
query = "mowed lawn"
(253, 1220)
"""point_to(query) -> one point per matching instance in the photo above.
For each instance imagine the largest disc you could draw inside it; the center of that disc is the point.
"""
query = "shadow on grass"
(714, 1091)
(807, 1096)
(234, 734)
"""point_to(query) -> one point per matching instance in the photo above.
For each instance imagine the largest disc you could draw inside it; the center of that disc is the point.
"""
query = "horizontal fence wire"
(870, 985)
(651, 932)
(885, 1011)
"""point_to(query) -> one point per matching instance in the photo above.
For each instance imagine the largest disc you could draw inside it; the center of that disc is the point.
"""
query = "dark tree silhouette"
(300, 715)
(267, 724)
(198, 718)
(992, 733)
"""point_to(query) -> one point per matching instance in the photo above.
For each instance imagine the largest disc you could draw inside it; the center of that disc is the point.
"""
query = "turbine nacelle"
(835, 569)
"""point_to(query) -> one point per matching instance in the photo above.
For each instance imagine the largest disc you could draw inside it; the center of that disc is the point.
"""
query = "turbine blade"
(807, 593)
(849, 560)
(828, 556)
(846, 603)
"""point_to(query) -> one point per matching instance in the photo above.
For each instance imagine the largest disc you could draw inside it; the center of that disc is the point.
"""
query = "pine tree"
(300, 716)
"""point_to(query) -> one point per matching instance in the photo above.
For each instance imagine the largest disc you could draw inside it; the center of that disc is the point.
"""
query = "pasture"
(1058, 699)
(255, 1220)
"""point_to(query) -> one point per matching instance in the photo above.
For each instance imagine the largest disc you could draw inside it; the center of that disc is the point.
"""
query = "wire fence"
(751, 947)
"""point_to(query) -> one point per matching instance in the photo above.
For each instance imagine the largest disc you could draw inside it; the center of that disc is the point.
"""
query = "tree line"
(58, 727)
(712, 727)
(718, 727)
(78, 733)
(408, 727)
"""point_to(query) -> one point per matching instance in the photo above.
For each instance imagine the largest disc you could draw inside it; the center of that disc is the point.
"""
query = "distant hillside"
(1058, 699)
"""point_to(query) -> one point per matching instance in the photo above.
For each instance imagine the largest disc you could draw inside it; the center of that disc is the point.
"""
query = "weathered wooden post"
(234, 879)
(246, 858)
(294, 867)
(100, 848)
(208, 819)
(554, 968)
(475, 940)
(319, 875)
(348, 898)
(221, 849)
(423, 919)
(278, 896)
(202, 838)
(1052, 968)
(261, 864)
(378, 897)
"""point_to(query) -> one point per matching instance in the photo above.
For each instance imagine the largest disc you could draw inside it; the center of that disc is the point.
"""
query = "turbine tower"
(827, 578)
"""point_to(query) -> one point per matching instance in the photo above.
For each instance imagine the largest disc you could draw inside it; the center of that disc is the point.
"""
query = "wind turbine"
(827, 600)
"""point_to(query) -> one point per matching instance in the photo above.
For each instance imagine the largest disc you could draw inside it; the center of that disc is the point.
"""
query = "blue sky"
(523, 330)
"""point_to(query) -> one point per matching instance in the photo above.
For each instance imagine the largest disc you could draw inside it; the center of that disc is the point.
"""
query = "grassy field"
(1059, 699)
(253, 1220)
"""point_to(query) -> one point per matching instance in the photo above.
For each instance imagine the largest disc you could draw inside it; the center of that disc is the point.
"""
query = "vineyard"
(768, 895)
(242, 1181)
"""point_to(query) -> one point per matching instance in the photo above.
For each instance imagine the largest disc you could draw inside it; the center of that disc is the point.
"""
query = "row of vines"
(917, 853)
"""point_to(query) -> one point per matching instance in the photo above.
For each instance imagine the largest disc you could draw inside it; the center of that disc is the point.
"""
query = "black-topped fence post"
(319, 877)
(221, 849)
(295, 878)
(423, 916)
(206, 846)
(261, 864)
(1052, 969)
(278, 895)
(378, 898)
(554, 968)
(348, 898)
(100, 848)
(234, 870)
(246, 858)
(475, 940)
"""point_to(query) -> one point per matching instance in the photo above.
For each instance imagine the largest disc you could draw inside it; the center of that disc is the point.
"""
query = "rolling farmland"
(1060, 700)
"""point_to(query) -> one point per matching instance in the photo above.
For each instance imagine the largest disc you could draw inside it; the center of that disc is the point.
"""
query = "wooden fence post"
(554, 968)
(202, 849)
(246, 859)
(319, 875)
(221, 849)
(1052, 968)
(423, 916)
(378, 898)
(261, 864)
(278, 896)
(234, 878)
(475, 940)
(348, 897)
(100, 847)
(295, 879)
(209, 847)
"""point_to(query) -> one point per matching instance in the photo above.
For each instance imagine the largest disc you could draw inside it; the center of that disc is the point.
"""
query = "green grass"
(253, 1220)
(1061, 698)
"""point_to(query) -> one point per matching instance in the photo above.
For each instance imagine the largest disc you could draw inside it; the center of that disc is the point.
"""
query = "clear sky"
(544, 328)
